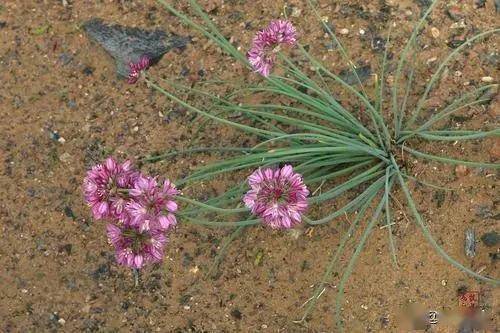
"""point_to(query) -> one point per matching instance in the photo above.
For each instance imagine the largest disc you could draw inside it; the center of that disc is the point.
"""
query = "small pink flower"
(152, 205)
(136, 68)
(266, 43)
(135, 248)
(105, 188)
(277, 196)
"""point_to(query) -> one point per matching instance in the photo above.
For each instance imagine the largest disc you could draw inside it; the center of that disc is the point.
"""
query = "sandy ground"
(64, 109)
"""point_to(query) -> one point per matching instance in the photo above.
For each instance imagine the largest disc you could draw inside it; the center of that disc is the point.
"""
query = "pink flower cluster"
(140, 210)
(277, 196)
(136, 68)
(267, 42)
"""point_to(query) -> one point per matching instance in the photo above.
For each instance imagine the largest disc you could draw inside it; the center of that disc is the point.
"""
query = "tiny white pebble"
(344, 31)
(61, 140)
(431, 60)
(187, 307)
(362, 32)
(443, 282)
(365, 307)
(136, 129)
(487, 79)
(435, 32)
(24, 291)
(61, 321)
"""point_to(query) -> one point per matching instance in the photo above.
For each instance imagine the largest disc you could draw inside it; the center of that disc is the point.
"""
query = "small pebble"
(435, 32)
(65, 158)
(362, 32)
(487, 79)
(444, 283)
(296, 12)
(378, 44)
(61, 321)
(461, 171)
(344, 31)
(54, 135)
(431, 60)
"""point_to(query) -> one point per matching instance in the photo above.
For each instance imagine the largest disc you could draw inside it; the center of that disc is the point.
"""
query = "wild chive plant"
(308, 128)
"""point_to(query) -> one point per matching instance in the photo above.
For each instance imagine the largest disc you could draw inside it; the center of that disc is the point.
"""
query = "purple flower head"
(135, 248)
(105, 188)
(277, 196)
(266, 44)
(152, 206)
(135, 68)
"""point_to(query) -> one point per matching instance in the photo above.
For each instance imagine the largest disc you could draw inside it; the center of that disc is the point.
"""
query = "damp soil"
(64, 108)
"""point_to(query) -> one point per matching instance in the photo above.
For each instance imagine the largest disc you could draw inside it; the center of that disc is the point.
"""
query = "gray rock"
(350, 78)
(470, 243)
(491, 238)
(128, 45)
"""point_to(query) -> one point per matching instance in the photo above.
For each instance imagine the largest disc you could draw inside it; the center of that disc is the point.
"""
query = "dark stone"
(424, 4)
(54, 135)
(184, 299)
(480, 3)
(236, 314)
(101, 272)
(65, 58)
(88, 70)
(330, 45)
(348, 76)
(201, 73)
(125, 305)
(69, 212)
(3, 24)
(187, 259)
(378, 44)
(462, 290)
(497, 6)
(456, 42)
(66, 248)
(439, 197)
(490, 238)
(126, 44)
(184, 71)
(54, 317)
